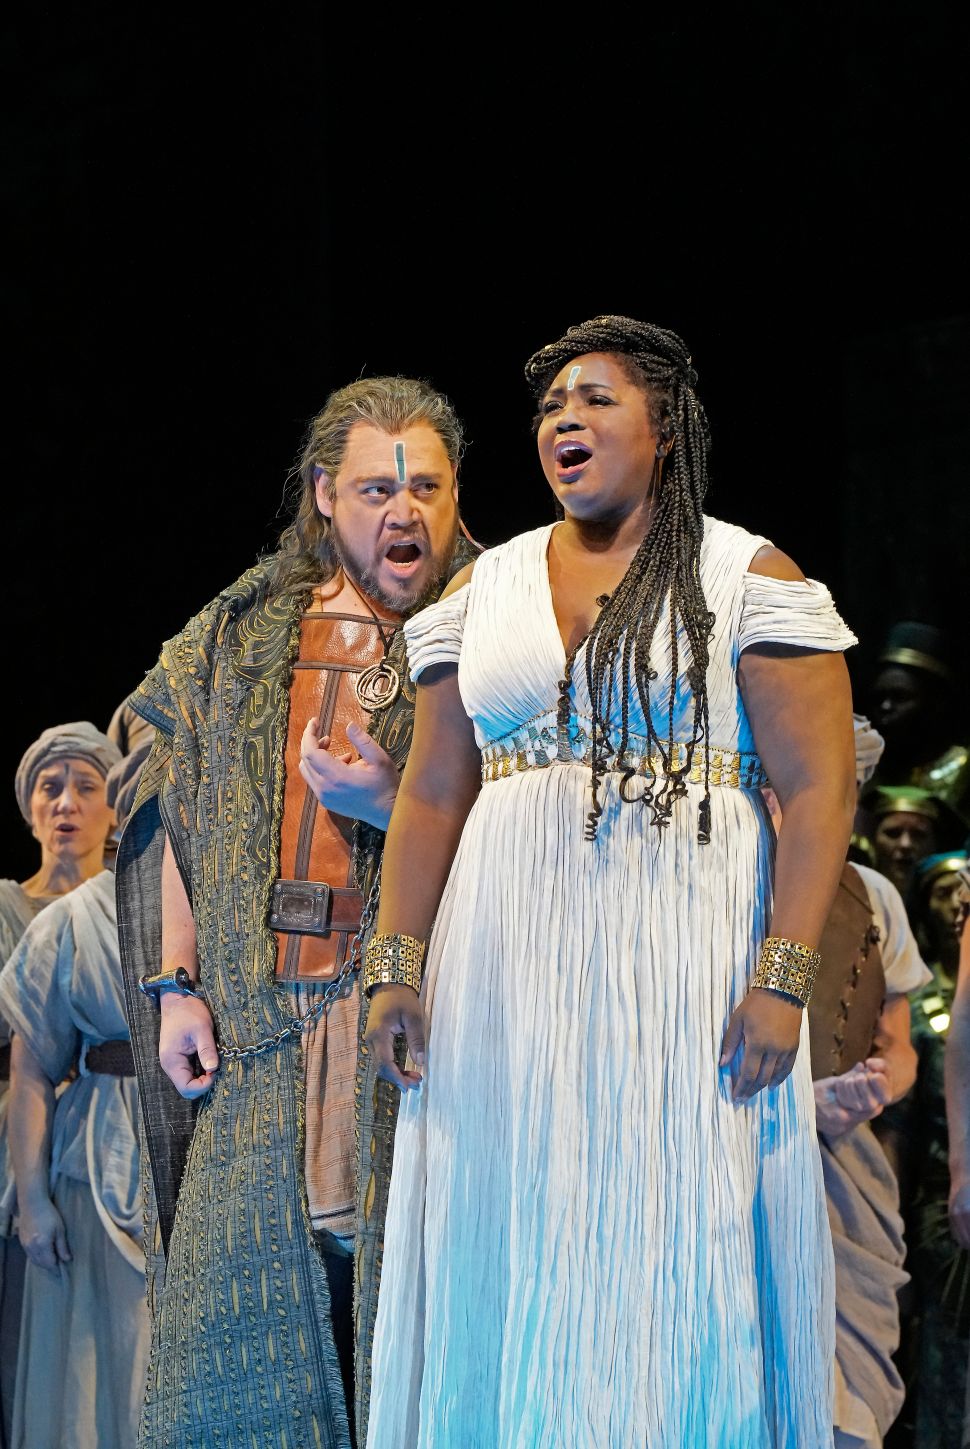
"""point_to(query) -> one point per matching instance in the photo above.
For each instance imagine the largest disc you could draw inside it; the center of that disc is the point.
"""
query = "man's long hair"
(666, 566)
(306, 554)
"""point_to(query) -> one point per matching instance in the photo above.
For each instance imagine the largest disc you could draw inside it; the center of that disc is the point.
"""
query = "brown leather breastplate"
(315, 843)
(850, 989)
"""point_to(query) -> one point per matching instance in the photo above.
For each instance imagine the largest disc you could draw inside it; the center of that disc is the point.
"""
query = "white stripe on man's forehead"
(400, 462)
(571, 379)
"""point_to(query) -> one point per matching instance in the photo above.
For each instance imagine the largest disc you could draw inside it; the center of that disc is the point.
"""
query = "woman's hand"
(362, 789)
(761, 1042)
(186, 1035)
(42, 1234)
(856, 1096)
(395, 1010)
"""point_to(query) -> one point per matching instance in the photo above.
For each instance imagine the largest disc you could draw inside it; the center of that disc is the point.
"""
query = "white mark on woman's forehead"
(400, 463)
(571, 379)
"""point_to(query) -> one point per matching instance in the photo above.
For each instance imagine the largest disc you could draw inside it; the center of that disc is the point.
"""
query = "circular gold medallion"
(377, 686)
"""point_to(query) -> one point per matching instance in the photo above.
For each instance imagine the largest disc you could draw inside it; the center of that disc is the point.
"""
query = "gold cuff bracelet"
(787, 966)
(392, 960)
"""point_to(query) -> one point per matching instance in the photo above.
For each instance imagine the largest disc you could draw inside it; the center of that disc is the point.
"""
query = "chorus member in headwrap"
(607, 1217)
(862, 1061)
(85, 1329)
(61, 793)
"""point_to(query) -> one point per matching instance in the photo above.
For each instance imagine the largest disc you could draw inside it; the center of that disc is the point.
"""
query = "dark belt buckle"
(301, 906)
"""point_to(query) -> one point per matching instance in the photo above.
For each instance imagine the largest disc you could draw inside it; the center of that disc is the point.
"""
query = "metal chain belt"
(332, 990)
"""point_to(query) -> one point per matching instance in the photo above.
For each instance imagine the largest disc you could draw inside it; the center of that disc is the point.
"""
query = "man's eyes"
(381, 490)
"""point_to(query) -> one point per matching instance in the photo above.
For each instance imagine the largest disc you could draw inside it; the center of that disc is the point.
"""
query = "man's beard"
(406, 599)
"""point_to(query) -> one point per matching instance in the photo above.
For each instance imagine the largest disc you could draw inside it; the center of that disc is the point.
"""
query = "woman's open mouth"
(571, 459)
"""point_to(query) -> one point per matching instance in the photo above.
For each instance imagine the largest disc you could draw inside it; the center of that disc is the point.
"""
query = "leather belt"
(313, 908)
(110, 1058)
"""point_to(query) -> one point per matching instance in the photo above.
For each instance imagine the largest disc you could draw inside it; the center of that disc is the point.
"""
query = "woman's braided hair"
(665, 566)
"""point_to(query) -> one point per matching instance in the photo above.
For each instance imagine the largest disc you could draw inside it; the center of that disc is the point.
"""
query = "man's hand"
(395, 1010)
(185, 1042)
(761, 1042)
(858, 1095)
(960, 1211)
(364, 788)
(42, 1234)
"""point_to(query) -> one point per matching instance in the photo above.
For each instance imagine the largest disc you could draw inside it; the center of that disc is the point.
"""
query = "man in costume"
(246, 880)
(862, 1061)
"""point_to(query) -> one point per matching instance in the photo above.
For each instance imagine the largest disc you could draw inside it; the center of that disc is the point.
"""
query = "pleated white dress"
(587, 1244)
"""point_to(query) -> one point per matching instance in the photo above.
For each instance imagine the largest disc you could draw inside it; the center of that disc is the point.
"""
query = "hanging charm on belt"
(377, 686)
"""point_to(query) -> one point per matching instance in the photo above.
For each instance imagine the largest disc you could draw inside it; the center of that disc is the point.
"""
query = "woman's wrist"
(392, 959)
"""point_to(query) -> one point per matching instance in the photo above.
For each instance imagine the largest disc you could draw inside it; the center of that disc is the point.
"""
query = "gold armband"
(392, 960)
(787, 966)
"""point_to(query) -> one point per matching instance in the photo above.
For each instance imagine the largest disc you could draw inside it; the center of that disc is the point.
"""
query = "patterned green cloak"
(243, 1350)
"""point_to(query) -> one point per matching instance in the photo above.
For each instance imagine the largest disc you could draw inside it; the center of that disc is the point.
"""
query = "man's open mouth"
(571, 459)
(404, 557)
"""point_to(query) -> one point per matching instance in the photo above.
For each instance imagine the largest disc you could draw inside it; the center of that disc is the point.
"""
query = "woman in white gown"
(607, 1224)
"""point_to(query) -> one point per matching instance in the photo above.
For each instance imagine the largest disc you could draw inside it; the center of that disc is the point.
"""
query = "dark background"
(209, 226)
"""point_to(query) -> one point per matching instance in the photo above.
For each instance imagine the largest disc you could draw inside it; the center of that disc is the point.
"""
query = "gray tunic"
(61, 992)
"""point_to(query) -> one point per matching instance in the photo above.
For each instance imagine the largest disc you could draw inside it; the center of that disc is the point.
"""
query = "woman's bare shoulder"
(774, 564)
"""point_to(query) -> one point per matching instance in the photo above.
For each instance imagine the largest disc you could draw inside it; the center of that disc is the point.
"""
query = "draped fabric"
(17, 910)
(61, 990)
(862, 1196)
(867, 1238)
(587, 1242)
(85, 1331)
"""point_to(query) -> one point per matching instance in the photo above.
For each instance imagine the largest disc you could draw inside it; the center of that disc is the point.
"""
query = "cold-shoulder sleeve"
(791, 611)
(434, 635)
